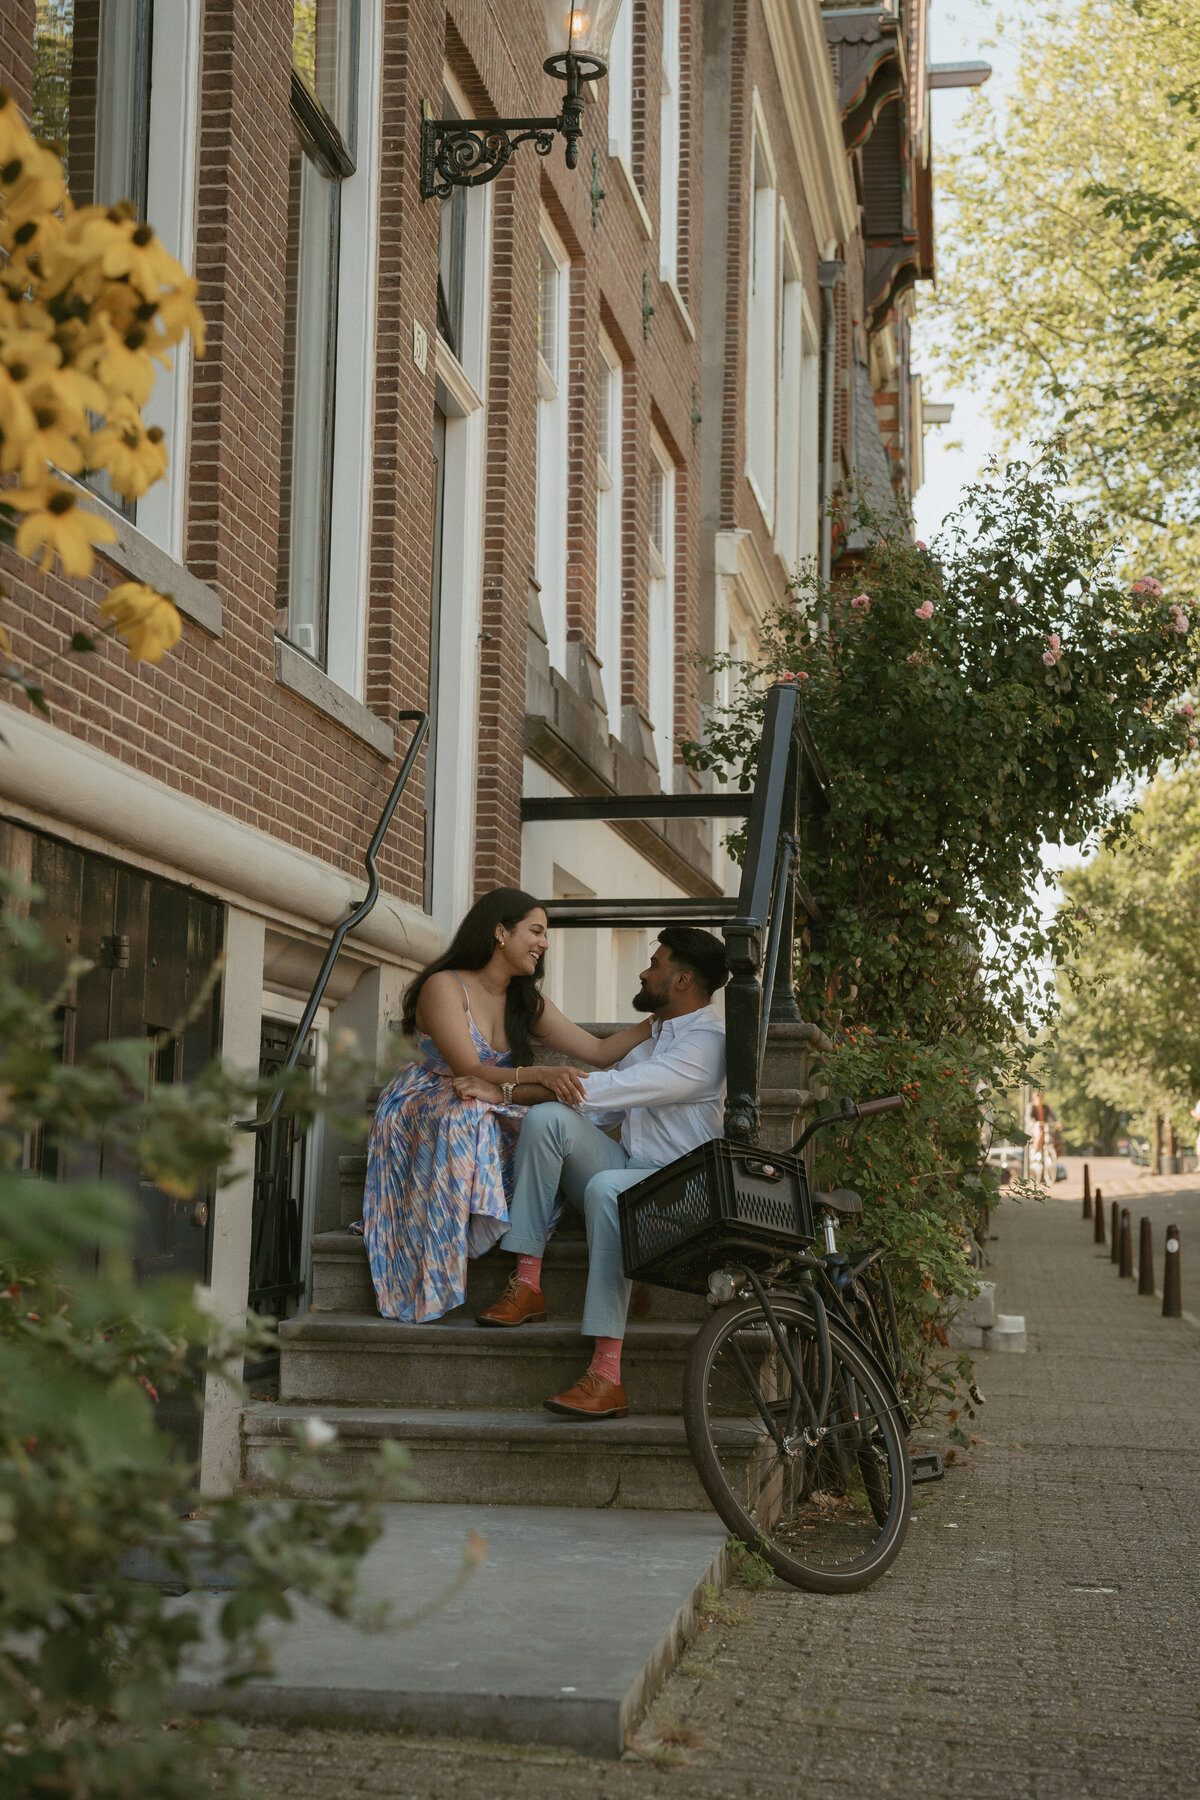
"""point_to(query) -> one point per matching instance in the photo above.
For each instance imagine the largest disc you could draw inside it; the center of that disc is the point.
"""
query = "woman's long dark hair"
(472, 947)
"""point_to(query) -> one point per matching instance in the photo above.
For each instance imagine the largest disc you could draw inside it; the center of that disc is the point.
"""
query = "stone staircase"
(466, 1401)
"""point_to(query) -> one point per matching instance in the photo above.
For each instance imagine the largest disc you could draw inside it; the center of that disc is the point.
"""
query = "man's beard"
(645, 1001)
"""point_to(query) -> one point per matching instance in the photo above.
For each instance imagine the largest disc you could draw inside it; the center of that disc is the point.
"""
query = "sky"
(959, 31)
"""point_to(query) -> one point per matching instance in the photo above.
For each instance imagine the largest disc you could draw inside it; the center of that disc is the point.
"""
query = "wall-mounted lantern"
(470, 152)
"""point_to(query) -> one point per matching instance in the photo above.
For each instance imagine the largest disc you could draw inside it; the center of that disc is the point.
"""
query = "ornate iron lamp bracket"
(471, 152)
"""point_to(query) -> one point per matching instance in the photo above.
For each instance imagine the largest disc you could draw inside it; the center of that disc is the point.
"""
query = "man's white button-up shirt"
(668, 1094)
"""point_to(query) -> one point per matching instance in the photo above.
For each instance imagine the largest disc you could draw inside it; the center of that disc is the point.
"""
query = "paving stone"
(986, 1663)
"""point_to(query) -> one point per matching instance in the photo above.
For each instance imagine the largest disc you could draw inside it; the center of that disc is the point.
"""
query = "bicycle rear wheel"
(828, 1512)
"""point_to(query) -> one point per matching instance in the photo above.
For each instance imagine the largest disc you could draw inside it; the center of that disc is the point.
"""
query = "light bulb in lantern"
(578, 31)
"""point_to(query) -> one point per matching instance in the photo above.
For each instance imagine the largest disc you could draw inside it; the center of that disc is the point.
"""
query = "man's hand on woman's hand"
(565, 1084)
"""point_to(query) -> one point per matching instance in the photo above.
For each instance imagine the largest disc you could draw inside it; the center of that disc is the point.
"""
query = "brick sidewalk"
(1040, 1635)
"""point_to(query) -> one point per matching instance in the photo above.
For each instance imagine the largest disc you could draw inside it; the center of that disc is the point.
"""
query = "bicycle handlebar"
(847, 1111)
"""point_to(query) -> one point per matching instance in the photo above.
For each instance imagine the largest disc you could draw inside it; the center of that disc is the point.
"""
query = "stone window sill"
(141, 559)
(678, 303)
(300, 676)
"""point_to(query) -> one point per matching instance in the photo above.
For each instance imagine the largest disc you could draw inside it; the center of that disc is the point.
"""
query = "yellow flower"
(134, 457)
(147, 620)
(14, 133)
(136, 253)
(31, 184)
(120, 364)
(56, 522)
(17, 423)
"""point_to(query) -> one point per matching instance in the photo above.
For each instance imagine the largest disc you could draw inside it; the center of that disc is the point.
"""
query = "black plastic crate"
(723, 1200)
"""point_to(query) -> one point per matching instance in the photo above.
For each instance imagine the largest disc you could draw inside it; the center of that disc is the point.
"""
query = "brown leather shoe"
(591, 1398)
(519, 1304)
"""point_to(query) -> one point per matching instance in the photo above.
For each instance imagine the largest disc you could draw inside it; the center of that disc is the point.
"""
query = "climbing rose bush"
(1006, 687)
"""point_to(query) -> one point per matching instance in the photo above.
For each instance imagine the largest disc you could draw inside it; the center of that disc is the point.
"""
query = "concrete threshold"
(562, 1636)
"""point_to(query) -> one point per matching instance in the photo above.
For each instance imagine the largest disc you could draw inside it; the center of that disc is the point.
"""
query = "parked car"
(1006, 1158)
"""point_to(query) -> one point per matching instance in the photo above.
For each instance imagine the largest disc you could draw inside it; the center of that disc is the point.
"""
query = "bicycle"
(791, 1398)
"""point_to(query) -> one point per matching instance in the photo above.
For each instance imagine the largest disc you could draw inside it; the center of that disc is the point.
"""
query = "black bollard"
(1114, 1254)
(1172, 1285)
(1087, 1192)
(1146, 1259)
(1126, 1268)
(1098, 1225)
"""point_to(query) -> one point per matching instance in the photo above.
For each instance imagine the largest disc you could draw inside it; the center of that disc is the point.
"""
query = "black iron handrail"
(789, 783)
(356, 915)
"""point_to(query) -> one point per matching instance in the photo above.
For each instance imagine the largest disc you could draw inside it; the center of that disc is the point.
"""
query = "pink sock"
(529, 1270)
(607, 1359)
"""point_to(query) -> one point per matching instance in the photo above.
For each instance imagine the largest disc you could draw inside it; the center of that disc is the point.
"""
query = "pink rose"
(1192, 742)
(802, 675)
(1049, 658)
(1146, 584)
(925, 610)
(1181, 625)
(921, 544)
(1187, 710)
(1054, 641)
(861, 603)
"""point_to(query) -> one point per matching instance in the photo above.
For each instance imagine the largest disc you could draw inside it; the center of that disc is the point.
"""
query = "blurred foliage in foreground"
(102, 1573)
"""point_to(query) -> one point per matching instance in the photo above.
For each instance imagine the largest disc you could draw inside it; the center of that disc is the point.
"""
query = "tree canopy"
(1129, 1038)
(1069, 248)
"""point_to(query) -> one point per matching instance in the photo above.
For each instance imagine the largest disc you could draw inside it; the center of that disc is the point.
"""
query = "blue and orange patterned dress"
(439, 1178)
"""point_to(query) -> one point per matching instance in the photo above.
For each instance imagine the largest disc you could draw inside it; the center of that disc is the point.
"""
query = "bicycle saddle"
(839, 1200)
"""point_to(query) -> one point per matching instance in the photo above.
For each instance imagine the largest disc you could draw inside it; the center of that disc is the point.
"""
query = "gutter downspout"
(828, 275)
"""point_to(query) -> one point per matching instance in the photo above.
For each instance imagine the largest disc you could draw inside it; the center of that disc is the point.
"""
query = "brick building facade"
(515, 458)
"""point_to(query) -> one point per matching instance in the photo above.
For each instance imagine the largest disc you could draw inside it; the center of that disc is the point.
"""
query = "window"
(452, 243)
(668, 188)
(609, 546)
(796, 500)
(321, 158)
(661, 611)
(91, 97)
(91, 94)
(554, 312)
(760, 344)
(620, 86)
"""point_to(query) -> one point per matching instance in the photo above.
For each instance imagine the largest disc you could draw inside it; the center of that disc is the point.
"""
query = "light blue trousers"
(559, 1149)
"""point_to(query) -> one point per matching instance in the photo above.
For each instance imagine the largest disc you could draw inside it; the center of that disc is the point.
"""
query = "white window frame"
(620, 87)
(354, 393)
(660, 621)
(791, 463)
(171, 208)
(810, 436)
(762, 283)
(550, 551)
(668, 146)
(461, 391)
(610, 543)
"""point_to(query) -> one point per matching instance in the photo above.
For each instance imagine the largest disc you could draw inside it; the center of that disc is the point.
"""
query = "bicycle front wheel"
(826, 1507)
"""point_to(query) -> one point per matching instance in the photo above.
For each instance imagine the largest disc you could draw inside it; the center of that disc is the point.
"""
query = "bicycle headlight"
(723, 1285)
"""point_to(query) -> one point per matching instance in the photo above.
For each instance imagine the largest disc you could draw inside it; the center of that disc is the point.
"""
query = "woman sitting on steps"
(439, 1167)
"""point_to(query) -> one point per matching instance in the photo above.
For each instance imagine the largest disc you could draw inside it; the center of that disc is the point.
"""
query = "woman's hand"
(565, 1084)
(472, 1087)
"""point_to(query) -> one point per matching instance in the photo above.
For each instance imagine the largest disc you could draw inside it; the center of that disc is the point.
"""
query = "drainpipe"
(828, 275)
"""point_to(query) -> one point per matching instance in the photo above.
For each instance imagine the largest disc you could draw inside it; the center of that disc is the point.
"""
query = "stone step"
(520, 1458)
(350, 1359)
(341, 1281)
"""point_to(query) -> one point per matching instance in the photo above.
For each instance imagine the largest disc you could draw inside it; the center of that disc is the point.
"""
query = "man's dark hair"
(698, 951)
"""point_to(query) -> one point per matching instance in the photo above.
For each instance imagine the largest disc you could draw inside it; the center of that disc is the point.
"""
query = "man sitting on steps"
(668, 1097)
